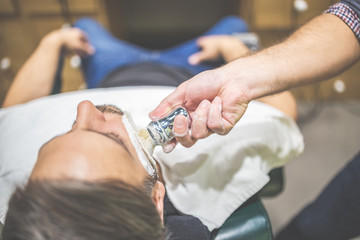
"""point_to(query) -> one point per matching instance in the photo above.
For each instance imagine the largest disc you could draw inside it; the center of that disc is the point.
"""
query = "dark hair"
(79, 210)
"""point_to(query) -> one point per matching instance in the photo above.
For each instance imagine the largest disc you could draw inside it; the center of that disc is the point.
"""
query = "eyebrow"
(112, 136)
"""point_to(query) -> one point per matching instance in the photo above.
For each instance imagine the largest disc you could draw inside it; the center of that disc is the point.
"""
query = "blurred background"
(329, 111)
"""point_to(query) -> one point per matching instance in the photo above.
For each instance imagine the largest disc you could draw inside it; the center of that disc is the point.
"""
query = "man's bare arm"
(215, 47)
(36, 77)
(320, 49)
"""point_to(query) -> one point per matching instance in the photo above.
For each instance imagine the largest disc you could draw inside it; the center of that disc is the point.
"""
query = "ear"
(158, 198)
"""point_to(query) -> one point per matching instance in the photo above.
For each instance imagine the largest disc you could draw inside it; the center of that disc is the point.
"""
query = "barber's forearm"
(319, 50)
(35, 78)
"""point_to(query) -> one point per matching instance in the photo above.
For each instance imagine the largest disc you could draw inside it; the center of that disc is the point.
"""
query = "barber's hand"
(215, 47)
(75, 41)
(214, 103)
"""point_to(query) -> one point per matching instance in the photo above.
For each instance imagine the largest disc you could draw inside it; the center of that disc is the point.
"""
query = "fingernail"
(152, 117)
(168, 148)
(180, 134)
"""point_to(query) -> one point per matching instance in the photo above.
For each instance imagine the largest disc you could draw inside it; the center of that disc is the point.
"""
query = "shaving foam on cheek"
(142, 142)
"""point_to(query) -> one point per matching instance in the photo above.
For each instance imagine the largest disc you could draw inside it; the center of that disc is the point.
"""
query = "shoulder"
(183, 227)
(349, 12)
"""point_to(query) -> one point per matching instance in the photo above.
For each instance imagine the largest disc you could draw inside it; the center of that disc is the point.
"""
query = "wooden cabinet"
(280, 14)
(24, 22)
(274, 20)
(6, 7)
(156, 24)
(272, 14)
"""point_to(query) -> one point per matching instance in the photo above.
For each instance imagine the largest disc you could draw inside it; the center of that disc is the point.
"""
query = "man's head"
(79, 210)
(96, 149)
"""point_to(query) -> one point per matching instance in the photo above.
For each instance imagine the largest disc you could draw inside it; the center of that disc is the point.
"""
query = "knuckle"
(187, 144)
(218, 127)
(214, 124)
(180, 133)
(199, 134)
(221, 131)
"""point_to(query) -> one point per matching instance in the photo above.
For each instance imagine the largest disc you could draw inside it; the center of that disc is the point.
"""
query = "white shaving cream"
(144, 153)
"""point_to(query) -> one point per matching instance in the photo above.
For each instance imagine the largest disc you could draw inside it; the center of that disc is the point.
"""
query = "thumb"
(175, 99)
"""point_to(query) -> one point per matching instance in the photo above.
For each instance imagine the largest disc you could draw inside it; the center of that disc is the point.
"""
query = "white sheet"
(209, 180)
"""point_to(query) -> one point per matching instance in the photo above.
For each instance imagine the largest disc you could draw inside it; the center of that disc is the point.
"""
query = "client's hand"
(214, 47)
(214, 103)
(75, 41)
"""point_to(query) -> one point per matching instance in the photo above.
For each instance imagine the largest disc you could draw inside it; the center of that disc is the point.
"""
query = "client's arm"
(36, 77)
(214, 47)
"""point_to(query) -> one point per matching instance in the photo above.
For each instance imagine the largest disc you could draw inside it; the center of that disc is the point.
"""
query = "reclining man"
(90, 182)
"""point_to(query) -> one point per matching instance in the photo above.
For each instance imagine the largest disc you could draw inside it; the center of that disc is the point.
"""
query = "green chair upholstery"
(275, 185)
(251, 221)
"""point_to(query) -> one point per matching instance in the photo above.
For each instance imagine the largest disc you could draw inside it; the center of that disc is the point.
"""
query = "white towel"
(209, 180)
(218, 174)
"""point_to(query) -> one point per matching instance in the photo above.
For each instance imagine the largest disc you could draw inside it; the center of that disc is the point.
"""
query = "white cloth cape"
(209, 180)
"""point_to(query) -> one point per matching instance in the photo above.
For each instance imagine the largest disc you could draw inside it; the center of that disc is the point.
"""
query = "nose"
(88, 116)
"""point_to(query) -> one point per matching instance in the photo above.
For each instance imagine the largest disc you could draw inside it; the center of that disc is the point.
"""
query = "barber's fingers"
(206, 120)
(168, 147)
(181, 131)
(199, 128)
(215, 121)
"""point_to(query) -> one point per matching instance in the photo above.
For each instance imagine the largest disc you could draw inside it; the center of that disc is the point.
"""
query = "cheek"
(116, 125)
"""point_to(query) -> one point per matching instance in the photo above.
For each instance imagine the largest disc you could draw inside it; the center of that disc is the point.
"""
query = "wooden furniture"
(23, 23)
(276, 19)
(156, 24)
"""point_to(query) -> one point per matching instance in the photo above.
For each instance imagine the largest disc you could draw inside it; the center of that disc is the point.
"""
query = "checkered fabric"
(345, 13)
